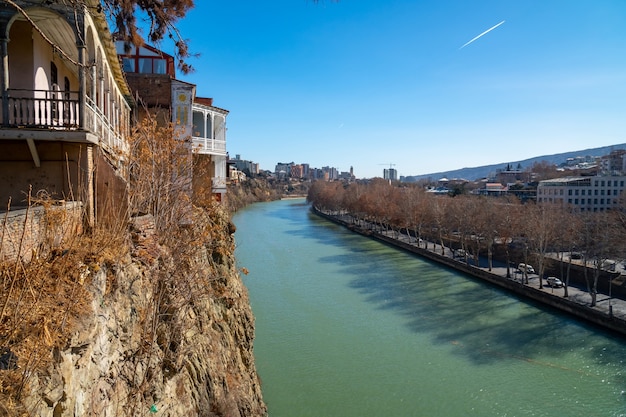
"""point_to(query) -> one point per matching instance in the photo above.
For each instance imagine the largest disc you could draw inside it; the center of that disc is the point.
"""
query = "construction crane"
(390, 165)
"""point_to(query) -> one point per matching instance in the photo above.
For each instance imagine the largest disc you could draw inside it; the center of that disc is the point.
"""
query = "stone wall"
(37, 230)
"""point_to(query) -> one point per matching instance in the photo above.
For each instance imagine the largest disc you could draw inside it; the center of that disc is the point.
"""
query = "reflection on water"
(347, 326)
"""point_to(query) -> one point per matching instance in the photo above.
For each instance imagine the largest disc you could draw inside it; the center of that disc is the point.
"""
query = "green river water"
(347, 326)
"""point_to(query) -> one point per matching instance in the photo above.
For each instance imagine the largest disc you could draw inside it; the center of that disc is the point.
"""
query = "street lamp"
(610, 306)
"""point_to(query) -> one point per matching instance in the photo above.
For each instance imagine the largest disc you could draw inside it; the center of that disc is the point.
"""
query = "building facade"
(151, 75)
(390, 174)
(65, 105)
(597, 193)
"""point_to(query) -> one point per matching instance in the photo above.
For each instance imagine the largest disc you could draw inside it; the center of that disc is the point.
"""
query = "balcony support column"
(4, 78)
(82, 85)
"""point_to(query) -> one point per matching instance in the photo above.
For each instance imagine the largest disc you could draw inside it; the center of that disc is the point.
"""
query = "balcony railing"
(209, 146)
(97, 122)
(47, 109)
(59, 110)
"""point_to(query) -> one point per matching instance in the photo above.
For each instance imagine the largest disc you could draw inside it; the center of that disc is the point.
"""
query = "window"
(569, 192)
(145, 66)
(128, 65)
(159, 66)
(54, 74)
(152, 66)
(582, 192)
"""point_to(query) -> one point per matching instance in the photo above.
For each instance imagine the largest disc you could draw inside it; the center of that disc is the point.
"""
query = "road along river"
(347, 326)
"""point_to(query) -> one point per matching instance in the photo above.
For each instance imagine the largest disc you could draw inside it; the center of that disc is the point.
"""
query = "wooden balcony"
(208, 146)
(42, 109)
(60, 111)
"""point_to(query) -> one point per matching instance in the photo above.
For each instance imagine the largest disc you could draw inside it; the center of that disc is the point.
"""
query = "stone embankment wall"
(153, 341)
(37, 230)
(574, 308)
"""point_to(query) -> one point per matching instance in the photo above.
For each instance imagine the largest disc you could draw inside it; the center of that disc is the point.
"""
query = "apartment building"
(595, 193)
(65, 106)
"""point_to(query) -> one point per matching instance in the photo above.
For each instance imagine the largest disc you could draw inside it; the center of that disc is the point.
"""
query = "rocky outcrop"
(168, 331)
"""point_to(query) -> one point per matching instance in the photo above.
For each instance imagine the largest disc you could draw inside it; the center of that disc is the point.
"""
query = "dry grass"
(43, 299)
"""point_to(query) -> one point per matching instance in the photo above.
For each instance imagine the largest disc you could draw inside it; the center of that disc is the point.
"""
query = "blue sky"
(368, 83)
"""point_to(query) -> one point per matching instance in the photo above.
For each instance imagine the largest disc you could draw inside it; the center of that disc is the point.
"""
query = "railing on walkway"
(207, 145)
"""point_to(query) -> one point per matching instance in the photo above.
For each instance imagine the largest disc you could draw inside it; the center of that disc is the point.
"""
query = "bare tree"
(597, 238)
(542, 232)
(507, 218)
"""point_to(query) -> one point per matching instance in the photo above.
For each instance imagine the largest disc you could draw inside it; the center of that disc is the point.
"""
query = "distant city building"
(330, 173)
(297, 171)
(283, 170)
(390, 174)
(493, 189)
(252, 168)
(596, 193)
(613, 163)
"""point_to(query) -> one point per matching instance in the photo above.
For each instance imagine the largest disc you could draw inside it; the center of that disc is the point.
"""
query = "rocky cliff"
(162, 328)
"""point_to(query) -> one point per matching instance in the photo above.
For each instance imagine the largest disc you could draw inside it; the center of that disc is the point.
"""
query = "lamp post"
(610, 306)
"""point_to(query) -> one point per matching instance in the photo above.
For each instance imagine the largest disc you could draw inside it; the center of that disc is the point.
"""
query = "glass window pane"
(145, 66)
(128, 64)
(159, 66)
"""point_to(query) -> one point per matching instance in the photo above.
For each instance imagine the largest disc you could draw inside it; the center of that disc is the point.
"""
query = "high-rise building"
(390, 174)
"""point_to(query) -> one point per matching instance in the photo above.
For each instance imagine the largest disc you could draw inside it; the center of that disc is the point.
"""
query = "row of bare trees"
(479, 225)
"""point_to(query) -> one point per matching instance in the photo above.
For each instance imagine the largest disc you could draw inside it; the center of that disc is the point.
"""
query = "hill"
(486, 170)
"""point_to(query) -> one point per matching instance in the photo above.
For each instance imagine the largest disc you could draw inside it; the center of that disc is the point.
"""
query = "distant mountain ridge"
(476, 173)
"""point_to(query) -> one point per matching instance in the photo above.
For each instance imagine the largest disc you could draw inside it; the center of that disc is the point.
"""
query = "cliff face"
(167, 330)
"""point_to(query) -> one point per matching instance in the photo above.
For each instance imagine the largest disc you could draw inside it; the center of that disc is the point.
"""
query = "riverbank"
(608, 313)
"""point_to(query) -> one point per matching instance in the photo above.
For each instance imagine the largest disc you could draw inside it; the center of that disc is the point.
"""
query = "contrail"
(482, 34)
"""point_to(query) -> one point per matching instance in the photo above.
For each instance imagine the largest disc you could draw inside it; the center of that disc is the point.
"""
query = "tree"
(507, 223)
(163, 15)
(598, 238)
(542, 232)
(568, 224)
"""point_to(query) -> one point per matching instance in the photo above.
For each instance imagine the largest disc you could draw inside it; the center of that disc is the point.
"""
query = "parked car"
(576, 255)
(528, 268)
(554, 282)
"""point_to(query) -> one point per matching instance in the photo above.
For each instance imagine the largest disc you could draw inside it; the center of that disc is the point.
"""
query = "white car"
(554, 282)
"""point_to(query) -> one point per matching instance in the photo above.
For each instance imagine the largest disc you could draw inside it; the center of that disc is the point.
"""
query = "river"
(347, 326)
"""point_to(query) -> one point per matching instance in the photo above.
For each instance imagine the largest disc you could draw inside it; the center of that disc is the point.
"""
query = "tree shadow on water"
(486, 323)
